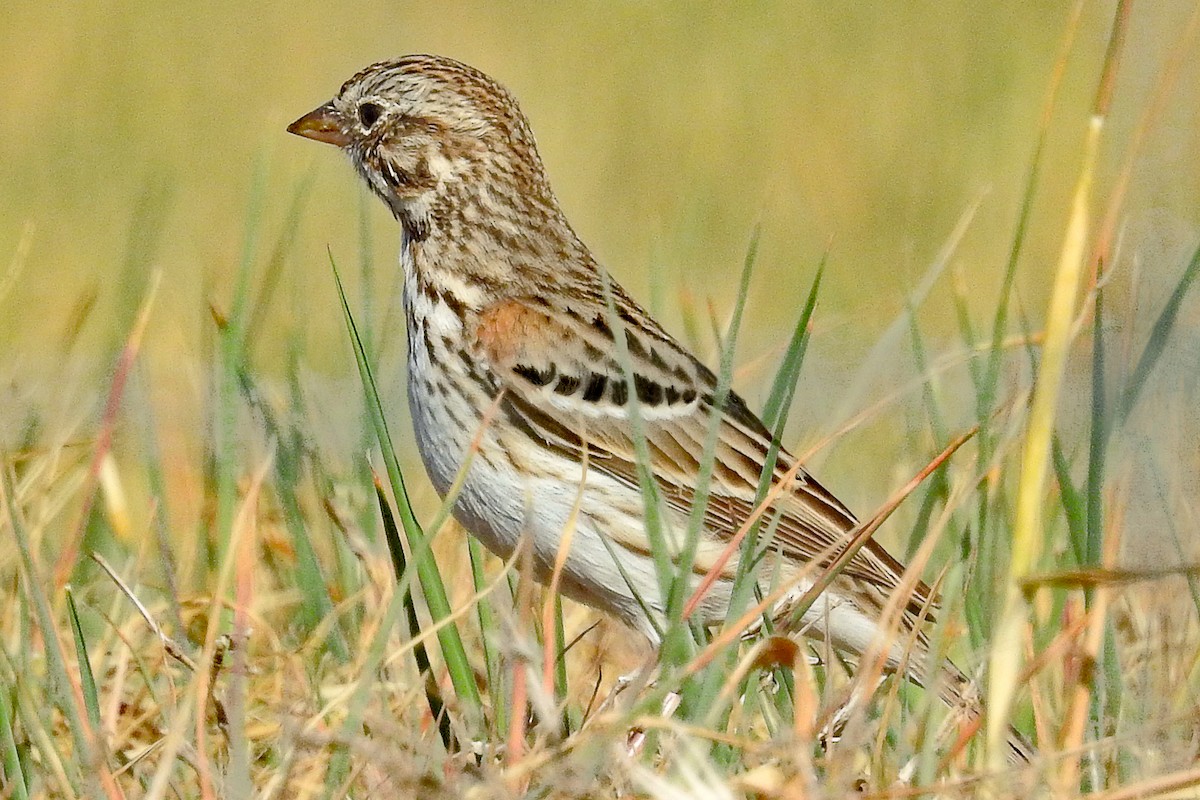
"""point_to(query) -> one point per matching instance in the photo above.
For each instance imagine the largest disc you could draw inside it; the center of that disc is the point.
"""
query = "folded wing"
(565, 387)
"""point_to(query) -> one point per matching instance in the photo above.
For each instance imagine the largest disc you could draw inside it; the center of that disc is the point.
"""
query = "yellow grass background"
(669, 129)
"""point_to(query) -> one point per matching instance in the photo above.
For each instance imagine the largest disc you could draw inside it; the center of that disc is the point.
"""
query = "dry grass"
(202, 431)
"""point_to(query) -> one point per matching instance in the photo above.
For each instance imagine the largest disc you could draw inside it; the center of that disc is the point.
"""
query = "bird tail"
(961, 693)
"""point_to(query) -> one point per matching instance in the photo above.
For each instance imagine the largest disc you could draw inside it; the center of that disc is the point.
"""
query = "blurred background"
(143, 136)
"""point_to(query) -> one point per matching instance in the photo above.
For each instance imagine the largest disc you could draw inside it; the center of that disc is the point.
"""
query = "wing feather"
(562, 390)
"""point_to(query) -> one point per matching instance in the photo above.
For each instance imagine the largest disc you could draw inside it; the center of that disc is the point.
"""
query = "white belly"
(499, 506)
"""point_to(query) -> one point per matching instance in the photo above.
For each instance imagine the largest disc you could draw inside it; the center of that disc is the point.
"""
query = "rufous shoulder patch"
(504, 329)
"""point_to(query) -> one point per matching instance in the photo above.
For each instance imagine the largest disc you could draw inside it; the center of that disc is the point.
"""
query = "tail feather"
(961, 693)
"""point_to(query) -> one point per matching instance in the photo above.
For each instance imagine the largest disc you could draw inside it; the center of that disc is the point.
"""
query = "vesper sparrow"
(504, 301)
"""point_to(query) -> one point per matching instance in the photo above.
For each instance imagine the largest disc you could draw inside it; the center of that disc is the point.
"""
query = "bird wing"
(565, 387)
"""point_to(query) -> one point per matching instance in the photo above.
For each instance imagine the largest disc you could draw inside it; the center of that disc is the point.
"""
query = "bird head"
(430, 135)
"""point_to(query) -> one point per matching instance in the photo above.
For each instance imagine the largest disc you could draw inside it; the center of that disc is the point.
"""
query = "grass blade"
(783, 388)
(680, 586)
(461, 675)
(91, 697)
(316, 604)
(1028, 529)
(14, 772)
(1158, 339)
(437, 708)
(991, 375)
(64, 686)
(775, 417)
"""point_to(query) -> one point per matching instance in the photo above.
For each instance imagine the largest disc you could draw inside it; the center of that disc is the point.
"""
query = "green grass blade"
(1158, 339)
(1074, 502)
(966, 329)
(991, 373)
(783, 387)
(775, 417)
(745, 586)
(698, 695)
(458, 666)
(437, 708)
(91, 697)
(570, 716)
(681, 585)
(316, 605)
(651, 497)
(274, 271)
(937, 488)
(344, 577)
(929, 387)
(1106, 691)
(489, 627)
(60, 679)
(14, 772)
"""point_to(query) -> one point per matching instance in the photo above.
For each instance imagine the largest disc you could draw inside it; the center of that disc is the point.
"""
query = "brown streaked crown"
(438, 141)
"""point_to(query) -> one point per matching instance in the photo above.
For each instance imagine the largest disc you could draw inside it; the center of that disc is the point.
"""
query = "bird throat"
(414, 222)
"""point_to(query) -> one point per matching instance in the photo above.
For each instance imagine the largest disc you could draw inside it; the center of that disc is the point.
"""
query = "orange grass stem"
(861, 535)
(108, 423)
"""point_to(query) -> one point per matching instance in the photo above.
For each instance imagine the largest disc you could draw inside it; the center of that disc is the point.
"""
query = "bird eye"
(369, 114)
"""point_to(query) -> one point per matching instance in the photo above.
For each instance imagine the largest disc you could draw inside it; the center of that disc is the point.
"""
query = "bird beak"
(322, 124)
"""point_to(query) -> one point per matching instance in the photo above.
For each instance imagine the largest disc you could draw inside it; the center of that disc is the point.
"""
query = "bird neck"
(479, 247)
